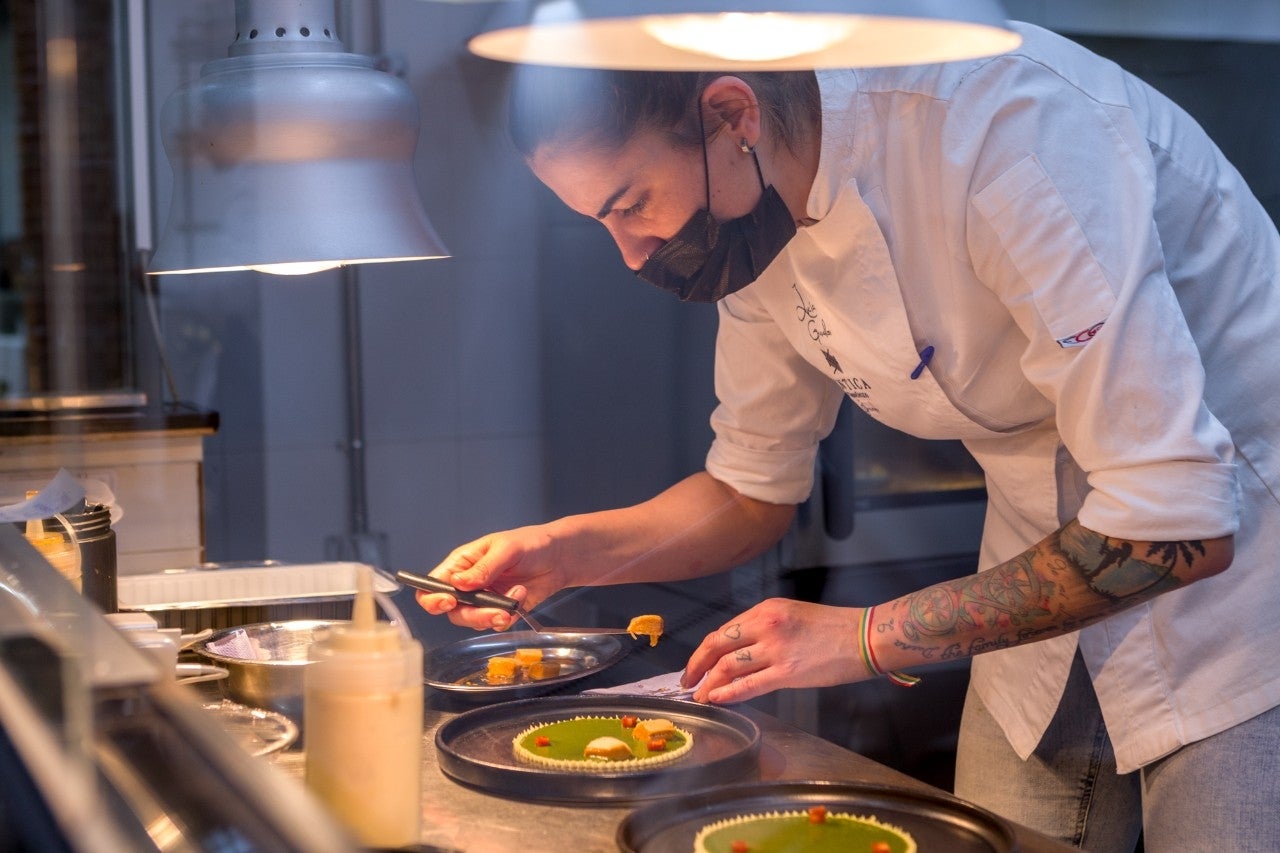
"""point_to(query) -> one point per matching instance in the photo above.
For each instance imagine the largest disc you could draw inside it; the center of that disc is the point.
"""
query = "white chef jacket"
(1102, 293)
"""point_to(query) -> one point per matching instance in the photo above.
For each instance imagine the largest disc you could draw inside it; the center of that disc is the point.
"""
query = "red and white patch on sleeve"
(1082, 337)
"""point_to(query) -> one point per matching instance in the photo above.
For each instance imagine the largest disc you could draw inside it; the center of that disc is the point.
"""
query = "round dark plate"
(474, 748)
(936, 821)
(459, 668)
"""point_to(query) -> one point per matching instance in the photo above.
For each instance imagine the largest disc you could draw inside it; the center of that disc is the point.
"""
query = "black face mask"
(707, 260)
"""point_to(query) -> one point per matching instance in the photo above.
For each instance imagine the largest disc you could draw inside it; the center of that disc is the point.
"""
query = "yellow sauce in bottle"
(362, 726)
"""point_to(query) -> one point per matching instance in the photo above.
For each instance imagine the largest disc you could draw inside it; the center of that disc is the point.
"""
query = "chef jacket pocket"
(1050, 252)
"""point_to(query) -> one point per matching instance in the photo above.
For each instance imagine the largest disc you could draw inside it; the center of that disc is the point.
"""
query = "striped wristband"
(868, 657)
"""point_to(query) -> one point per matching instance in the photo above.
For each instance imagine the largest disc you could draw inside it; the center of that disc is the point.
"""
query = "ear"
(735, 104)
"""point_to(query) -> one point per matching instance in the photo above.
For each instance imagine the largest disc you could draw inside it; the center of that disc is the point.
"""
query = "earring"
(744, 147)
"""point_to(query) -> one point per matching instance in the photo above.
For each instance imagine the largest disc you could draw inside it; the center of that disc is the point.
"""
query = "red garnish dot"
(657, 744)
(739, 847)
(818, 814)
(881, 847)
(542, 740)
(629, 722)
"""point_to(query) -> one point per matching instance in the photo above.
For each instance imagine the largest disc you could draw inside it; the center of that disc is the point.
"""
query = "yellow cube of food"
(648, 729)
(527, 656)
(502, 668)
(543, 669)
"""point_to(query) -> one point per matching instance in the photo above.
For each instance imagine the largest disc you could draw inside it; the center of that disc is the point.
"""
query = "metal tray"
(937, 821)
(474, 748)
(459, 668)
(257, 730)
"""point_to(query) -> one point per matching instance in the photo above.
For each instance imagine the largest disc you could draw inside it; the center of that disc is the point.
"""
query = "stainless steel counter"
(458, 818)
(168, 778)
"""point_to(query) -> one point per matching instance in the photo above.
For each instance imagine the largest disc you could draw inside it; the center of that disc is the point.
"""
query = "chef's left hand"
(778, 643)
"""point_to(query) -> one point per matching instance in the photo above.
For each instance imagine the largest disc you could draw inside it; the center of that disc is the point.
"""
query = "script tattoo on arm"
(1071, 579)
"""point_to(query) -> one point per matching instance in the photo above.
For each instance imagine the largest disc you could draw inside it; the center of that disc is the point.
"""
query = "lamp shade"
(291, 155)
(763, 35)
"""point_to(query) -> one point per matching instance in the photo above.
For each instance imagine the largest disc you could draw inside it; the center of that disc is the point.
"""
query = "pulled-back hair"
(605, 109)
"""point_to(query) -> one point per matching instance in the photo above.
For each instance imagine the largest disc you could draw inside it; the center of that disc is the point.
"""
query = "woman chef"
(1035, 253)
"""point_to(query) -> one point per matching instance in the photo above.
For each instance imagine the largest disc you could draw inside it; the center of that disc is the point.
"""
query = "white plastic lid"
(365, 655)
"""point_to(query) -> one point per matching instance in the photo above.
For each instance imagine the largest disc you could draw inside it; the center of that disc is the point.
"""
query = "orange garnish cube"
(542, 740)
(818, 814)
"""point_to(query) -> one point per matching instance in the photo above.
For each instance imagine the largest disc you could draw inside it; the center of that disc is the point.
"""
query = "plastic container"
(362, 713)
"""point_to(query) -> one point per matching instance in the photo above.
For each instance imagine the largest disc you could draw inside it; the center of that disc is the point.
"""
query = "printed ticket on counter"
(662, 686)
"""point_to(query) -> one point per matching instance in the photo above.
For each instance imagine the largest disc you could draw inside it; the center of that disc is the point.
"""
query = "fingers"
(737, 676)
(479, 564)
(713, 647)
(730, 664)
(476, 618)
(476, 565)
(778, 643)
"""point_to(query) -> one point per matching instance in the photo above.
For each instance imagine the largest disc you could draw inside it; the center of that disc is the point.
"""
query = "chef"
(1035, 253)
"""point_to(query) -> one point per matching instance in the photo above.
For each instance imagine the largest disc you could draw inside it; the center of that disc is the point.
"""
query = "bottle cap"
(365, 654)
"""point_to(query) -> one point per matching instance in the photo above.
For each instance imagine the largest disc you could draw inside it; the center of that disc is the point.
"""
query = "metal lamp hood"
(291, 155)
(729, 35)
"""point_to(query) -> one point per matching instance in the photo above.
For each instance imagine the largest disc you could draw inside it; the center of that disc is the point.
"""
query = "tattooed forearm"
(1072, 578)
(926, 652)
(1009, 595)
(1110, 567)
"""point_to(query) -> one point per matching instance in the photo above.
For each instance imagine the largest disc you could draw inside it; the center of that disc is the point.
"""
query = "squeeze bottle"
(362, 724)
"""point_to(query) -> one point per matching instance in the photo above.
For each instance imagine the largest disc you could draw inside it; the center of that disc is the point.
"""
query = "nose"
(635, 250)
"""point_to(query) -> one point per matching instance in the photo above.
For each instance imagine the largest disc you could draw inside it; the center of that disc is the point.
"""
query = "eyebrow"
(611, 201)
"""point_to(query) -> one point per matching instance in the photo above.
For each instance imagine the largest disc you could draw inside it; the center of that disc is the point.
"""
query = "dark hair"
(606, 109)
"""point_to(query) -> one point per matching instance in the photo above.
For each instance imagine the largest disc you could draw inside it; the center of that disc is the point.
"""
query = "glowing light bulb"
(748, 36)
(299, 268)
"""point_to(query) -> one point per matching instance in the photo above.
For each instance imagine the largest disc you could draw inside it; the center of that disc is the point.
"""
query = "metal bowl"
(273, 680)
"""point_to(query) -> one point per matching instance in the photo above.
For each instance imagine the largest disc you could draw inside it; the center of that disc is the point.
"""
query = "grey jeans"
(1220, 793)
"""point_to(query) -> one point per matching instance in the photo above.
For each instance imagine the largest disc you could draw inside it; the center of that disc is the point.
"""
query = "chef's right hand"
(516, 563)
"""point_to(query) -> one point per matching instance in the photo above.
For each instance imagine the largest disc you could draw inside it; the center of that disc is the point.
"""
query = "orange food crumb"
(542, 740)
(881, 847)
(647, 624)
(739, 846)
(818, 814)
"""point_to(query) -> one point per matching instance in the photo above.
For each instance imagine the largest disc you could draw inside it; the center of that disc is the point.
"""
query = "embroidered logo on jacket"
(1081, 338)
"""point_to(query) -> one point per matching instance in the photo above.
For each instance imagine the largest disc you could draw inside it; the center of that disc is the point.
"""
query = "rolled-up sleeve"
(774, 407)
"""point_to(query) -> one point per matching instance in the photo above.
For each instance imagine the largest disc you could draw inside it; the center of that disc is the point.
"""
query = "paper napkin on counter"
(662, 686)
